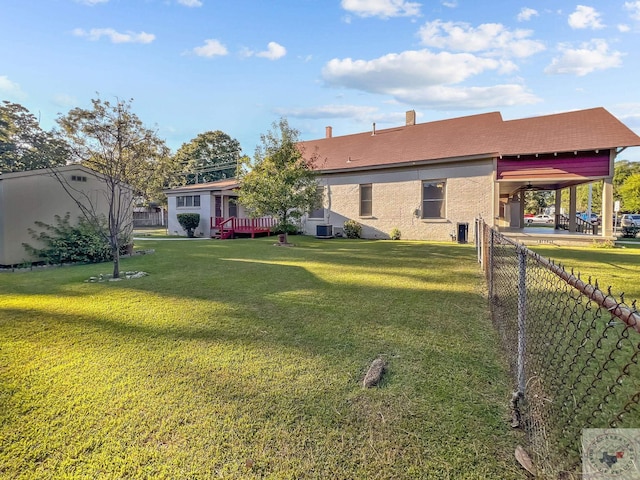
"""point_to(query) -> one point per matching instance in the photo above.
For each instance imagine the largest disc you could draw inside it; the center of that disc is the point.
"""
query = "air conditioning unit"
(324, 231)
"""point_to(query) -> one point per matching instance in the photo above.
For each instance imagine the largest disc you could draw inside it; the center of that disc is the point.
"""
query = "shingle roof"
(472, 137)
(226, 184)
(590, 129)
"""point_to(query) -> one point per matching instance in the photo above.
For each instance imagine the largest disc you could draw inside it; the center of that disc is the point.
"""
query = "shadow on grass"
(262, 349)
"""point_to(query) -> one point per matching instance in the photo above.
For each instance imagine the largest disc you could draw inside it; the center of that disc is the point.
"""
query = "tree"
(630, 193)
(112, 141)
(280, 181)
(209, 157)
(536, 201)
(623, 169)
(24, 145)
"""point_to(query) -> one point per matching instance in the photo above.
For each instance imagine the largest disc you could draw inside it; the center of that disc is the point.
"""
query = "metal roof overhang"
(551, 171)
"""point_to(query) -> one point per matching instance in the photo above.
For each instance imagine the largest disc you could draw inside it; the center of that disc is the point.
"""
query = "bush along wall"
(189, 221)
(72, 243)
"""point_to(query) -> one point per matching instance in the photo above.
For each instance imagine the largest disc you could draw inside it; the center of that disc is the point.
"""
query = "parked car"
(593, 219)
(630, 220)
(540, 219)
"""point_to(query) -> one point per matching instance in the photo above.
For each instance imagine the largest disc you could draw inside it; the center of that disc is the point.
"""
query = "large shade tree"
(111, 140)
(630, 193)
(209, 157)
(279, 182)
(24, 145)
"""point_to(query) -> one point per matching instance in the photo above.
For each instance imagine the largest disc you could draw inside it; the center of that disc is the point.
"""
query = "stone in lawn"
(374, 374)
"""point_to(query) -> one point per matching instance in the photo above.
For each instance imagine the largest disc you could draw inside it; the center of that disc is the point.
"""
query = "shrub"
(352, 229)
(395, 234)
(603, 244)
(630, 231)
(67, 243)
(288, 228)
(189, 221)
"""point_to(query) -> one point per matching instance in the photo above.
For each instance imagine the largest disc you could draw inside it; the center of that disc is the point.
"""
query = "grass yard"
(151, 232)
(239, 359)
(616, 267)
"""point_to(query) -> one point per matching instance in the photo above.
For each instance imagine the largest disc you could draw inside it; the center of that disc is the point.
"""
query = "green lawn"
(616, 267)
(240, 359)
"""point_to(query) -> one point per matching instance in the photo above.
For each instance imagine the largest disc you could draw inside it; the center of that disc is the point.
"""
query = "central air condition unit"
(324, 231)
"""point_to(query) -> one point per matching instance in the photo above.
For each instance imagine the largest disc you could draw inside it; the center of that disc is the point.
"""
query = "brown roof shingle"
(225, 184)
(472, 137)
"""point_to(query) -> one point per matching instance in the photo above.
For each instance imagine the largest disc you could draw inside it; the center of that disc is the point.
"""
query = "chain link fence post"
(490, 265)
(522, 318)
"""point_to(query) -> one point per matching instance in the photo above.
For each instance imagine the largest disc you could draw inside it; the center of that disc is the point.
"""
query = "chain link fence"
(574, 351)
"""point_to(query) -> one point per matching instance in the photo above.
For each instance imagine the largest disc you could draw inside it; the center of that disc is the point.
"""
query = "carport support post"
(522, 317)
(572, 209)
(606, 216)
(558, 206)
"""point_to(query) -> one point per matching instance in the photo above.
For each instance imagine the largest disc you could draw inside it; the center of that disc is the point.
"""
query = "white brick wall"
(397, 200)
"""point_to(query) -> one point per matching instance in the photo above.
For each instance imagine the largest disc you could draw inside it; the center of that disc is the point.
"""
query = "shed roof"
(475, 136)
(49, 171)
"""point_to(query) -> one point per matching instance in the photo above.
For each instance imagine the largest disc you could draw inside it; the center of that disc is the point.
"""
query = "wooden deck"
(224, 228)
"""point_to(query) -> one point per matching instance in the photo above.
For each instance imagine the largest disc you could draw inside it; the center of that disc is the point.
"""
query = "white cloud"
(526, 14)
(115, 37)
(591, 56)
(491, 38)
(629, 114)
(10, 88)
(634, 8)
(444, 97)
(426, 78)
(329, 111)
(450, 4)
(382, 8)
(64, 100)
(585, 17)
(409, 69)
(211, 48)
(91, 2)
(190, 3)
(624, 28)
(274, 51)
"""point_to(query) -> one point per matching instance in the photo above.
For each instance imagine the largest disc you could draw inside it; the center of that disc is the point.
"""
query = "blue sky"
(238, 65)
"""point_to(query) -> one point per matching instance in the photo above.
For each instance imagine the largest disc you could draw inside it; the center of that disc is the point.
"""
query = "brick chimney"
(329, 132)
(411, 117)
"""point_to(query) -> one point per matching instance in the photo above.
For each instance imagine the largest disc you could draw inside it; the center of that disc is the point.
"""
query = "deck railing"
(582, 226)
(243, 225)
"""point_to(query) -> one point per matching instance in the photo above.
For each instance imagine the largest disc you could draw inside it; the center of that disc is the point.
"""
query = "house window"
(318, 210)
(78, 178)
(218, 206)
(366, 209)
(433, 199)
(233, 208)
(188, 201)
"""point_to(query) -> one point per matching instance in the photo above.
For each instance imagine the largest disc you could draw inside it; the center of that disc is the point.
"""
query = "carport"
(560, 172)
(558, 153)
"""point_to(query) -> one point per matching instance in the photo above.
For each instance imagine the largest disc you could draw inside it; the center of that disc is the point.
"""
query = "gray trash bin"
(463, 232)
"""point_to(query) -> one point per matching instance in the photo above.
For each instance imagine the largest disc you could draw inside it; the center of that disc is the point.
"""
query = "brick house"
(429, 179)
